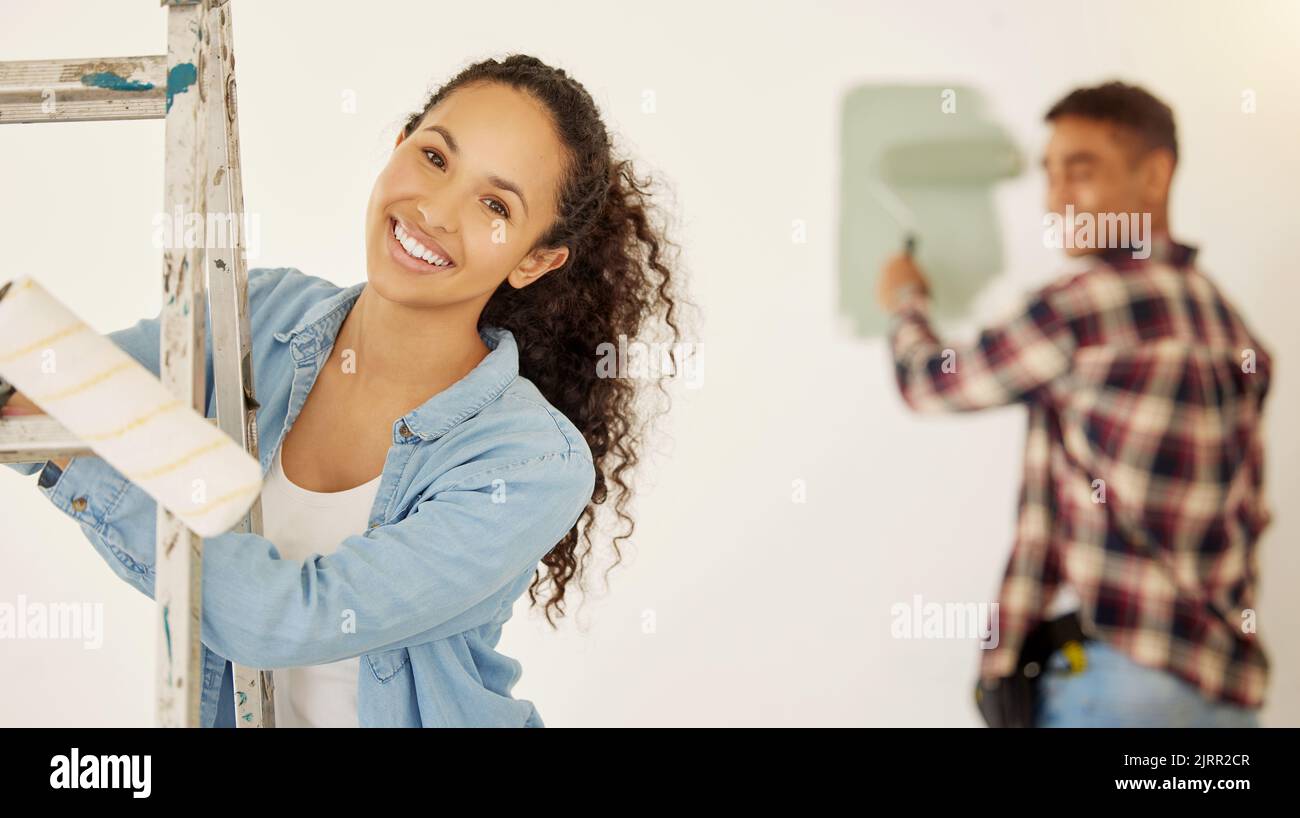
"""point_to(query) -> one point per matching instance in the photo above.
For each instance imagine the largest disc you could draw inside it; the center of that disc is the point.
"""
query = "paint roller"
(122, 412)
(938, 163)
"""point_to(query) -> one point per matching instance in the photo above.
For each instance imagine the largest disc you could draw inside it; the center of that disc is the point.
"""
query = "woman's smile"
(420, 255)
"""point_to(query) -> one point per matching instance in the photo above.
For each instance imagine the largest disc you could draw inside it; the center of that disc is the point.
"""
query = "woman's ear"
(400, 136)
(537, 264)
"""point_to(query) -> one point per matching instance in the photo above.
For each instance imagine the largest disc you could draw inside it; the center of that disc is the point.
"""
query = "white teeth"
(415, 249)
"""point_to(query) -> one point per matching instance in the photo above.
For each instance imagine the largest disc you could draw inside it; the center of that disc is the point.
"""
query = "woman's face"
(469, 191)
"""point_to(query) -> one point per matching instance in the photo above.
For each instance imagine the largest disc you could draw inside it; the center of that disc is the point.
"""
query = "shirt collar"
(467, 396)
(436, 416)
(1164, 250)
(323, 308)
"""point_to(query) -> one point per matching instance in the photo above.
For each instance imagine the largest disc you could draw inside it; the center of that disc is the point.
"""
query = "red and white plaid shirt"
(1143, 468)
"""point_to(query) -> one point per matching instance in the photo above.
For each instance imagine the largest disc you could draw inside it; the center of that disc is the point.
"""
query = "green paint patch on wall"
(920, 160)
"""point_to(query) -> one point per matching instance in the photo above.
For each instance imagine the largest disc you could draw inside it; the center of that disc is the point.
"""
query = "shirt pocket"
(388, 663)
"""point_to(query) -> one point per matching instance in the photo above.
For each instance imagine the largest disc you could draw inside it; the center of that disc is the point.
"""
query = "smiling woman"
(504, 195)
(522, 149)
(433, 433)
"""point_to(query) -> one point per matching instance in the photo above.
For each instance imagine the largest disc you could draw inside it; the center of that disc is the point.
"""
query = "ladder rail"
(182, 367)
(232, 357)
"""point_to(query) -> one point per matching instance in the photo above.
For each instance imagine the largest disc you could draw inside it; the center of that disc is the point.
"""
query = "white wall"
(766, 611)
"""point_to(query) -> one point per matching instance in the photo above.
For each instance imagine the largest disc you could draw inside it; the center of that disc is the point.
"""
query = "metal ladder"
(192, 88)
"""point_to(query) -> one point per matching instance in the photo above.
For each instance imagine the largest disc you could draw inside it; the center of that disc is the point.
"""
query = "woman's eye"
(498, 207)
(435, 157)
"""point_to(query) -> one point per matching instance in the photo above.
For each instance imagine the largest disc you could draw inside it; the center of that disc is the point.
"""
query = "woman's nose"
(437, 215)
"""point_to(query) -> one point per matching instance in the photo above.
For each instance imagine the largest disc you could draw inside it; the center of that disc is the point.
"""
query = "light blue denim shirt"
(481, 481)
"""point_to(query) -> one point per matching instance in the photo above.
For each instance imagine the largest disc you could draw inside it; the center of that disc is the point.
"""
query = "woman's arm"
(435, 573)
(92, 492)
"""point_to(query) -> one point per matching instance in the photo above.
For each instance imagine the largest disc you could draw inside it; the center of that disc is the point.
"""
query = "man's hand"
(19, 404)
(898, 275)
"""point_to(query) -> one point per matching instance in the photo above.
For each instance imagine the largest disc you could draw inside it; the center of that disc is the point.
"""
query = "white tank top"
(301, 523)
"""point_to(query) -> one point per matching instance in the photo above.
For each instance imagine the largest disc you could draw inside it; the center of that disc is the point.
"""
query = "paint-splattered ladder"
(193, 89)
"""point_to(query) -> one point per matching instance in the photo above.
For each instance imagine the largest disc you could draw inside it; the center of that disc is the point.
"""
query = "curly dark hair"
(617, 281)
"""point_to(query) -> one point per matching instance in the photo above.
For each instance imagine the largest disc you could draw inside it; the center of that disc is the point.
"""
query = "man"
(1142, 496)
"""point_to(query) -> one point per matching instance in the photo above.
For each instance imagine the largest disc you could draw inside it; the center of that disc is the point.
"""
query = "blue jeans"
(1115, 691)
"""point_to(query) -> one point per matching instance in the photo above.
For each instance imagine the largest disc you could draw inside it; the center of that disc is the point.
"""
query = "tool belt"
(1012, 701)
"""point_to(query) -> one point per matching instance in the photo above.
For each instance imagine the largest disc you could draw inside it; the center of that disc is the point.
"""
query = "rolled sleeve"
(118, 519)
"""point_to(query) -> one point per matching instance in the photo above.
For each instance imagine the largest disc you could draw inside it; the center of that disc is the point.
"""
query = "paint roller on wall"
(950, 162)
(939, 164)
(917, 176)
(122, 412)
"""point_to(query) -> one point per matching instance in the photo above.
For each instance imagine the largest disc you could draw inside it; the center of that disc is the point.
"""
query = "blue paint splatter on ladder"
(116, 82)
(167, 632)
(179, 80)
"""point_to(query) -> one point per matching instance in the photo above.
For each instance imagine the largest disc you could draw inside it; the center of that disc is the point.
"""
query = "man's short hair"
(1132, 108)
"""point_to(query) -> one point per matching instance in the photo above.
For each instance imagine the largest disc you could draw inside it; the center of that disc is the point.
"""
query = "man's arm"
(1005, 364)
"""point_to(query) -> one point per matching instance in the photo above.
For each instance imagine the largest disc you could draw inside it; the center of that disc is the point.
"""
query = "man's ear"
(1157, 175)
(400, 136)
(537, 264)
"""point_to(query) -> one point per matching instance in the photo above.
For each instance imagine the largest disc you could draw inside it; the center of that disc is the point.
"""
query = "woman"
(431, 434)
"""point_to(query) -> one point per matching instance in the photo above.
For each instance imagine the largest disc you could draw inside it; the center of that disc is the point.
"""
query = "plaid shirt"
(1143, 469)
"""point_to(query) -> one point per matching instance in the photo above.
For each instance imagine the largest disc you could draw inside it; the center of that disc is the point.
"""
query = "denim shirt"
(481, 481)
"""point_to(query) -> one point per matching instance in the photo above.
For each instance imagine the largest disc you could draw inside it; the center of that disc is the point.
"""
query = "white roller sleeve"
(121, 411)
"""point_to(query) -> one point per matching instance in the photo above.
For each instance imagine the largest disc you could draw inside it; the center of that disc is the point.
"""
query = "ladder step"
(37, 438)
(83, 90)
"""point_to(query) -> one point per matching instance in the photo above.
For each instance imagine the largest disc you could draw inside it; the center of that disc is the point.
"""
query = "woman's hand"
(18, 405)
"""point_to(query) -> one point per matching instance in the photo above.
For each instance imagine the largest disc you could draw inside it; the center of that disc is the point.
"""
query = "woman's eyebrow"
(497, 181)
(506, 184)
(446, 134)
